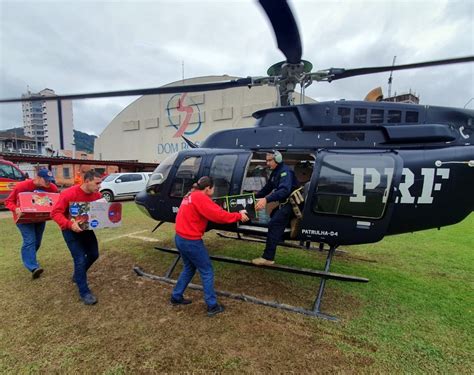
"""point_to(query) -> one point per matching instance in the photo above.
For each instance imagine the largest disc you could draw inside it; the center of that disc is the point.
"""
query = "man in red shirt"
(196, 209)
(32, 233)
(81, 243)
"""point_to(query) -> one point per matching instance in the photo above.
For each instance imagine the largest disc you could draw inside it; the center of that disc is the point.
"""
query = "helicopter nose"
(142, 201)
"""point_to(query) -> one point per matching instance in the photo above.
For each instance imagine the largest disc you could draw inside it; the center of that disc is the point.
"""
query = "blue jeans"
(195, 256)
(280, 218)
(85, 251)
(32, 234)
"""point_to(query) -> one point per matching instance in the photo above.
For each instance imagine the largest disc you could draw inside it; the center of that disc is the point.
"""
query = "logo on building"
(189, 108)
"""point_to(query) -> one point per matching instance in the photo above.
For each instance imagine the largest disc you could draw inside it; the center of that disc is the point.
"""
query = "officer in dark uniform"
(281, 184)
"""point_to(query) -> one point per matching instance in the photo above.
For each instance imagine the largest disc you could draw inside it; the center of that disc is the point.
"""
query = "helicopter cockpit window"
(345, 114)
(394, 117)
(376, 116)
(411, 117)
(360, 115)
(222, 169)
(354, 185)
(160, 174)
(185, 177)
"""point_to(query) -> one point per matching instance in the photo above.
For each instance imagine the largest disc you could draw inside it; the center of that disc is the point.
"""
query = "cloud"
(87, 46)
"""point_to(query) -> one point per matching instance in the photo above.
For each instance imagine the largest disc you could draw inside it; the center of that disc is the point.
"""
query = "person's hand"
(18, 212)
(261, 203)
(75, 227)
(243, 216)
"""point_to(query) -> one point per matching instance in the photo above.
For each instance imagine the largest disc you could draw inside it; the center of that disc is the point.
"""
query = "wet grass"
(414, 316)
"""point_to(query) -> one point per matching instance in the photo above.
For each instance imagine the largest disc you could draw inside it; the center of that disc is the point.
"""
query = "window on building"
(345, 114)
(66, 172)
(222, 169)
(185, 176)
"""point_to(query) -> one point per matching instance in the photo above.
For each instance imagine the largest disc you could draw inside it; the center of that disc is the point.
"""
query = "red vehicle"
(10, 174)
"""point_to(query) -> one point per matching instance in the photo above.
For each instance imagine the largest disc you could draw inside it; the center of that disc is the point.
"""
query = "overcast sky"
(85, 46)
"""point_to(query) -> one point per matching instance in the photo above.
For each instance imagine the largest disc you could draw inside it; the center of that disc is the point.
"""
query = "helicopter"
(368, 169)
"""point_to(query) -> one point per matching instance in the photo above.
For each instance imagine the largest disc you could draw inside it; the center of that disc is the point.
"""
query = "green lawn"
(414, 316)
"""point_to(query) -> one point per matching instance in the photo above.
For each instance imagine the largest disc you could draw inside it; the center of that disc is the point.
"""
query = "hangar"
(150, 128)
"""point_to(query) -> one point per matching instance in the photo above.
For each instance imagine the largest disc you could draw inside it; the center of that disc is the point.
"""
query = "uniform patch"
(283, 174)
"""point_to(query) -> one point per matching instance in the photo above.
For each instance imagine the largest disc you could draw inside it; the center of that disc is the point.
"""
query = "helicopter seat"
(303, 172)
(253, 184)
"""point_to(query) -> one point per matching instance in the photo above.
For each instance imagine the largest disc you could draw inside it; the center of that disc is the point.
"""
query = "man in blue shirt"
(281, 184)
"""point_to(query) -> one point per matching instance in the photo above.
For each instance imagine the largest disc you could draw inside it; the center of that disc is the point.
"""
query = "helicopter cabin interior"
(257, 175)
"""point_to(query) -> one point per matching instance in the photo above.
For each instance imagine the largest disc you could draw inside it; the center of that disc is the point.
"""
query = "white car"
(123, 185)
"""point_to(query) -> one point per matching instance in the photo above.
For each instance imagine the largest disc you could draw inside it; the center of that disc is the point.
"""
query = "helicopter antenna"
(390, 79)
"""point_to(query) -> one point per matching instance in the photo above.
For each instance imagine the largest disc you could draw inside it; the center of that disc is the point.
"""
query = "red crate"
(36, 206)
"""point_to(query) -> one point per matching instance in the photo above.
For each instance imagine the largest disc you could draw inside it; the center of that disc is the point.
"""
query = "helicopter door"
(227, 171)
(349, 199)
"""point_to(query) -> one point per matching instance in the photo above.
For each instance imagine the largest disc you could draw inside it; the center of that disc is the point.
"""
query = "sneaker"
(36, 273)
(263, 262)
(89, 299)
(183, 301)
(214, 310)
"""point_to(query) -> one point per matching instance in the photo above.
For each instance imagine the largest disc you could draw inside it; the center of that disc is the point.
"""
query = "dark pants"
(32, 234)
(280, 219)
(195, 256)
(85, 251)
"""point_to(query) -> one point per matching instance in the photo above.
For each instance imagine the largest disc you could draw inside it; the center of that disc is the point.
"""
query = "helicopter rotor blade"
(285, 28)
(148, 91)
(335, 73)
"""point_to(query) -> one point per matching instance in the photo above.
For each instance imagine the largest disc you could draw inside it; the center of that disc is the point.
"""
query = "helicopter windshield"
(160, 174)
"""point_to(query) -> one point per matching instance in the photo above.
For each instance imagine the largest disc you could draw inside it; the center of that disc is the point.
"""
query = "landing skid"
(305, 245)
(315, 311)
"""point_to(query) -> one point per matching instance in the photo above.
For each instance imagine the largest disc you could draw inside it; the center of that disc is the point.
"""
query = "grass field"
(414, 316)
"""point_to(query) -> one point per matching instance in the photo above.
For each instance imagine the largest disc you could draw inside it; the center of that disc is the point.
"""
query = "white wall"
(143, 131)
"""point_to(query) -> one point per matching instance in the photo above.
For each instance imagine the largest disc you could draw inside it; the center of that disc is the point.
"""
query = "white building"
(41, 121)
(150, 128)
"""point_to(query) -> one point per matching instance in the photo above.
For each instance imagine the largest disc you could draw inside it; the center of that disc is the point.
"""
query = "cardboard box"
(236, 203)
(36, 206)
(96, 215)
